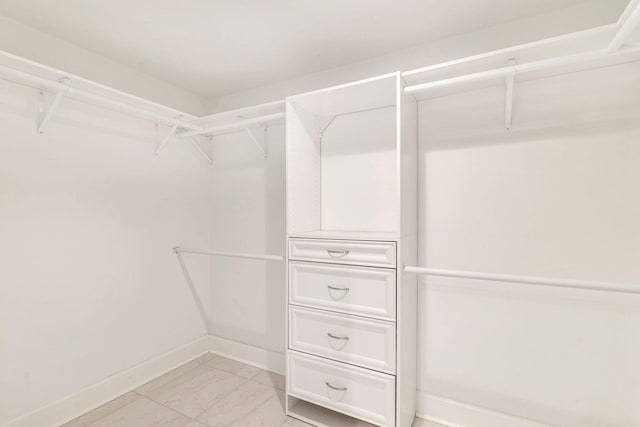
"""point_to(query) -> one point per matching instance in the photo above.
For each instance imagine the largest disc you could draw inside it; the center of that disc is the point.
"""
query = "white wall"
(88, 217)
(557, 196)
(19, 39)
(529, 203)
(248, 215)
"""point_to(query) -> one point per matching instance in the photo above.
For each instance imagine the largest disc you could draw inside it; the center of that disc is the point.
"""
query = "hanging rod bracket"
(233, 125)
(508, 97)
(43, 117)
(160, 145)
(260, 141)
(202, 152)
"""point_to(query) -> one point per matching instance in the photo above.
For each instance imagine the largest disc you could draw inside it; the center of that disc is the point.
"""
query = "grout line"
(199, 364)
(108, 413)
(165, 406)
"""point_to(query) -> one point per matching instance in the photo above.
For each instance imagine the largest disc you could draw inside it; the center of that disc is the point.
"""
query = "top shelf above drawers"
(368, 253)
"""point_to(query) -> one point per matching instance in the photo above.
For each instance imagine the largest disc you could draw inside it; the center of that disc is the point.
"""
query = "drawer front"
(364, 342)
(365, 291)
(376, 254)
(360, 393)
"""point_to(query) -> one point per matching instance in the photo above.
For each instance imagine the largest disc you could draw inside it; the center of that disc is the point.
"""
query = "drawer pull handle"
(337, 253)
(336, 337)
(333, 288)
(332, 387)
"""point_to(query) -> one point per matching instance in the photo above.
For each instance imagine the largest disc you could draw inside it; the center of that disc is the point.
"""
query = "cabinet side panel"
(408, 149)
(407, 295)
(303, 171)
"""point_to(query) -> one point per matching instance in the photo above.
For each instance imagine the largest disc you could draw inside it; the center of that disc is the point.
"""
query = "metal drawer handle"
(337, 253)
(332, 387)
(336, 337)
(333, 288)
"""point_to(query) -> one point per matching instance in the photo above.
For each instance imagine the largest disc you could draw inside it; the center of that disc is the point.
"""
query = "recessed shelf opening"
(342, 160)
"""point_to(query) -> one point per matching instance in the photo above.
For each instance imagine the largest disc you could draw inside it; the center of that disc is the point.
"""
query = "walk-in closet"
(332, 214)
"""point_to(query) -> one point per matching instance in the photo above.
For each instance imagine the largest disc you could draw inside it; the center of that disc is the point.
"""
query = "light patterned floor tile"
(236, 405)
(103, 410)
(195, 423)
(168, 377)
(292, 422)
(204, 358)
(233, 367)
(196, 390)
(269, 414)
(270, 378)
(419, 422)
(143, 413)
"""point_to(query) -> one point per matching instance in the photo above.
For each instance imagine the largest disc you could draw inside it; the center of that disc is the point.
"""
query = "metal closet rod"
(191, 128)
(233, 125)
(79, 93)
(529, 280)
(178, 250)
(627, 23)
(544, 64)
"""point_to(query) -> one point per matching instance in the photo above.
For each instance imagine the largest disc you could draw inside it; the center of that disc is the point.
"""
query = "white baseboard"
(434, 408)
(255, 356)
(91, 397)
(452, 413)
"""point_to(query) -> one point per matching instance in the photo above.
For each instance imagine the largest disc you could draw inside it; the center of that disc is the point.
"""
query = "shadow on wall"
(248, 195)
(566, 130)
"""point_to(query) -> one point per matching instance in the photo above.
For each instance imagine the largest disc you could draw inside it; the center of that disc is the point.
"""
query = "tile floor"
(210, 391)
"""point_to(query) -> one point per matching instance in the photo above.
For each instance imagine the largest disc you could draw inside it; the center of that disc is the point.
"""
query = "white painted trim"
(251, 355)
(452, 413)
(89, 398)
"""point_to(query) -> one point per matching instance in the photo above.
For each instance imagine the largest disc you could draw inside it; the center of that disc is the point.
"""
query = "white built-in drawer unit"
(365, 291)
(361, 393)
(365, 342)
(375, 254)
(351, 225)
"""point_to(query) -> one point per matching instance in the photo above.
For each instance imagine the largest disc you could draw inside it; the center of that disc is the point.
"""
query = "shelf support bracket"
(261, 146)
(326, 125)
(201, 151)
(166, 139)
(508, 98)
(45, 116)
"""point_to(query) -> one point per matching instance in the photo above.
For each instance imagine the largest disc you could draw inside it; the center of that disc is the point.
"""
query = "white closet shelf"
(523, 72)
(606, 45)
(593, 48)
(233, 120)
(352, 97)
(61, 84)
(40, 76)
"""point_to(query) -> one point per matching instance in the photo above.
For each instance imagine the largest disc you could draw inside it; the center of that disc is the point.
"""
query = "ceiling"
(217, 47)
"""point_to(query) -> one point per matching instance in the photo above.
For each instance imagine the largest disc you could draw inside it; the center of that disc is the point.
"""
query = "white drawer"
(364, 342)
(358, 392)
(365, 291)
(376, 254)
